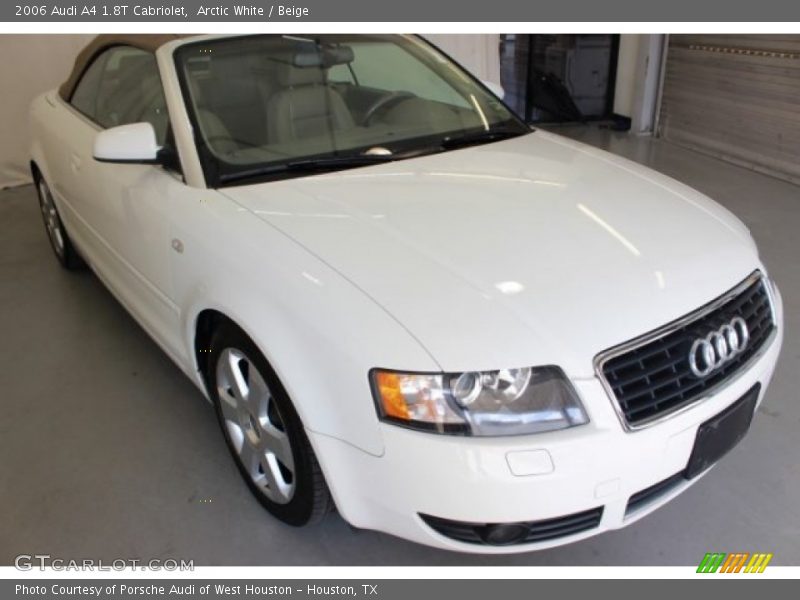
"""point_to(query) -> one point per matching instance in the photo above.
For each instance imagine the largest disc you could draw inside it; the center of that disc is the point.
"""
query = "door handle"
(75, 162)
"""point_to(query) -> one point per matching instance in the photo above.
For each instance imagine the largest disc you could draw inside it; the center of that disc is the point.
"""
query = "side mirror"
(134, 143)
(495, 88)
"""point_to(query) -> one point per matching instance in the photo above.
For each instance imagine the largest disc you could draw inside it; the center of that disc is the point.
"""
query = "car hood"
(534, 250)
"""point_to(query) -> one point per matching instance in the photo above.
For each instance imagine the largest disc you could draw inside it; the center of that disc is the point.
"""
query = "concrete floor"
(109, 452)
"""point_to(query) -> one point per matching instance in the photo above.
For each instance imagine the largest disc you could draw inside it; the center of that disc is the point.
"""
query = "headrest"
(307, 64)
(290, 76)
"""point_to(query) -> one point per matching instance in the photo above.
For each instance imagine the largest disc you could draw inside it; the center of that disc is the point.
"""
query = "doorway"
(559, 78)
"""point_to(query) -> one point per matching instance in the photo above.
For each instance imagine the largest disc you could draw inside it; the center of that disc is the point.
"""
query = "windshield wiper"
(481, 137)
(308, 165)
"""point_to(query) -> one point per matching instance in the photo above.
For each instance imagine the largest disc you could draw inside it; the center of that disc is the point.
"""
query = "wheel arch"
(321, 338)
(321, 407)
(38, 172)
(206, 323)
(38, 157)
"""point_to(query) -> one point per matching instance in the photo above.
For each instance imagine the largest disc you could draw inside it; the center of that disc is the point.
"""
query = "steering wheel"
(383, 103)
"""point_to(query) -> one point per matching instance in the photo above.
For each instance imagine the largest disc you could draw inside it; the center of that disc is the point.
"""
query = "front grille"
(647, 495)
(523, 532)
(652, 378)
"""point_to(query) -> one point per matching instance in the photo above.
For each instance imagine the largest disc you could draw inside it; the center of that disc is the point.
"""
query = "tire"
(62, 246)
(263, 431)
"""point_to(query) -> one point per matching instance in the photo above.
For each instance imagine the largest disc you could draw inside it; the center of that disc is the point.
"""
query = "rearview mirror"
(495, 88)
(134, 143)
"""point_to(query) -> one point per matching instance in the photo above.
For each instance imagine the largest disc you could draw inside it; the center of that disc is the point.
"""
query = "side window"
(340, 74)
(84, 98)
(122, 86)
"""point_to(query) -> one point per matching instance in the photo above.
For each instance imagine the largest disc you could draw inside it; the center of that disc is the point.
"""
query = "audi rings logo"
(718, 347)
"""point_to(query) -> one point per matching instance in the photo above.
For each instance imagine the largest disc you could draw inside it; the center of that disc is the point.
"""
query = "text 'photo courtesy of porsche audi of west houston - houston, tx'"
(403, 301)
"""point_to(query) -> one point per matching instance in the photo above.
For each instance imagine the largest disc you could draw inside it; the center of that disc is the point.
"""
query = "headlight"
(488, 403)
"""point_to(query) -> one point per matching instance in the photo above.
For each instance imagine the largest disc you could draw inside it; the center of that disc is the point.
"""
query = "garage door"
(736, 97)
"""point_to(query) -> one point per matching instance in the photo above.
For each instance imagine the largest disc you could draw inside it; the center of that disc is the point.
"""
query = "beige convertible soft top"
(148, 42)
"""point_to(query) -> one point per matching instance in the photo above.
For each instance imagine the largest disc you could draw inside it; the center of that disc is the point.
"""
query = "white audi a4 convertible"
(402, 301)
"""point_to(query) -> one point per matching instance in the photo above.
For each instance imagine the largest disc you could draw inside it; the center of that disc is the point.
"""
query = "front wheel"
(263, 431)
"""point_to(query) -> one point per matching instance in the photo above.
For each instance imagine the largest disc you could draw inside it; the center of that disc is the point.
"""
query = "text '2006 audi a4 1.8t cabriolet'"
(403, 301)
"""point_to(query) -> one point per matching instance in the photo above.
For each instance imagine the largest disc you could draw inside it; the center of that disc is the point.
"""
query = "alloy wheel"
(51, 220)
(255, 426)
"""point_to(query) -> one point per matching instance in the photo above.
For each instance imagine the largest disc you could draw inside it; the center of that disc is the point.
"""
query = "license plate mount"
(721, 433)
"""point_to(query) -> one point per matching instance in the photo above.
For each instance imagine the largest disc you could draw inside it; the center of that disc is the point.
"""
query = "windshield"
(262, 103)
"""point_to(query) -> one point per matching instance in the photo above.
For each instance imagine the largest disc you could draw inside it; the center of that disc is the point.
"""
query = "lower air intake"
(522, 532)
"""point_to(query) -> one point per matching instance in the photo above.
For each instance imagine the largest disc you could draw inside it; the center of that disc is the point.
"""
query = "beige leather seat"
(236, 93)
(216, 133)
(230, 94)
(305, 106)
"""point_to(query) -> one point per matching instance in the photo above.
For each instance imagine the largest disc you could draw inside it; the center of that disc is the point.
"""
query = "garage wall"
(736, 97)
(31, 64)
(480, 53)
(625, 85)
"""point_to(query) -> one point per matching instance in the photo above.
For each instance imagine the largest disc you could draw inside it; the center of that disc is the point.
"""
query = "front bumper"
(598, 465)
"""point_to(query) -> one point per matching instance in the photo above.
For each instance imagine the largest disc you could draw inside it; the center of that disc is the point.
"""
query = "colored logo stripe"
(734, 562)
(711, 562)
(758, 563)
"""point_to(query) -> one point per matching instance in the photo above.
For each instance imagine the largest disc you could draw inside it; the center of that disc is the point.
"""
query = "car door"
(124, 210)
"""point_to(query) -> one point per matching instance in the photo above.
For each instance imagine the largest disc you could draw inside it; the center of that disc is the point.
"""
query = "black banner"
(387, 589)
(259, 11)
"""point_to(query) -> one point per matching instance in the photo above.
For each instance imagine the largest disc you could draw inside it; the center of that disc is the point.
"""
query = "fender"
(312, 325)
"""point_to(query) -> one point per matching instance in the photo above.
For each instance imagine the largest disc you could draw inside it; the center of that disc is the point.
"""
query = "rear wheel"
(59, 240)
(263, 431)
